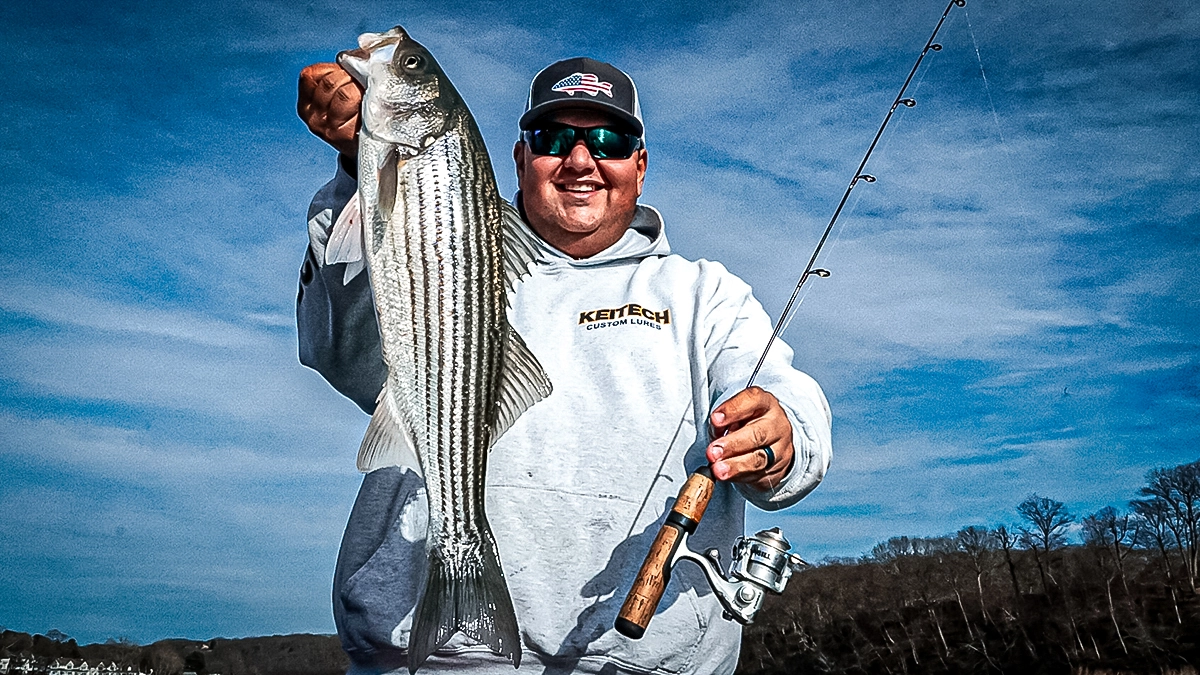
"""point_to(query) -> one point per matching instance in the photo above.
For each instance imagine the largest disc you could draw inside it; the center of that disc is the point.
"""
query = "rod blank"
(930, 45)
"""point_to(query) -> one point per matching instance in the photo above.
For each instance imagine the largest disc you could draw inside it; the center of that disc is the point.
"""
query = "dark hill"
(930, 614)
(272, 655)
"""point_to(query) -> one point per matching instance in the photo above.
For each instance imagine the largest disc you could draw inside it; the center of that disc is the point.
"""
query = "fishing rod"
(901, 100)
(763, 562)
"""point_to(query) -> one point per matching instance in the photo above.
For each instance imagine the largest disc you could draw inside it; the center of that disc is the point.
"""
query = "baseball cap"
(583, 83)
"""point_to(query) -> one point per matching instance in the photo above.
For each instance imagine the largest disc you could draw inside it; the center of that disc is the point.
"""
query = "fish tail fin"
(468, 595)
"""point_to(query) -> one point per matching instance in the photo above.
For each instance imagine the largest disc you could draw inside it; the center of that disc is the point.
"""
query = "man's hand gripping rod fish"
(762, 562)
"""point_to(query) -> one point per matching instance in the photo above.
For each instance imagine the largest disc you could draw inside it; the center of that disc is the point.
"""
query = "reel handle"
(651, 581)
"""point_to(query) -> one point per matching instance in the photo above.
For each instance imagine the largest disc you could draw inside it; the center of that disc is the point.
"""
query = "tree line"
(1051, 593)
(1115, 590)
(271, 655)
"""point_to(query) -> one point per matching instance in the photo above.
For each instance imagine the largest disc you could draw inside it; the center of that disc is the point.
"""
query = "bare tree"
(1179, 489)
(1113, 533)
(905, 547)
(1153, 516)
(1048, 520)
(978, 544)
(1152, 530)
(1007, 541)
(163, 660)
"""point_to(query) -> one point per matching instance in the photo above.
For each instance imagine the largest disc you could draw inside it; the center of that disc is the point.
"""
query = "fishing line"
(659, 473)
(859, 175)
(841, 228)
(837, 236)
(887, 141)
(987, 87)
(648, 587)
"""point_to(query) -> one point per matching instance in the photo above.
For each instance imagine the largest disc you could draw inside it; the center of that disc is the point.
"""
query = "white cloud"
(137, 456)
(224, 372)
(66, 307)
(921, 485)
(262, 384)
(1017, 255)
(128, 508)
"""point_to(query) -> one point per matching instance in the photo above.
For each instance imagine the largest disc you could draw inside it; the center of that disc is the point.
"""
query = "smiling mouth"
(579, 188)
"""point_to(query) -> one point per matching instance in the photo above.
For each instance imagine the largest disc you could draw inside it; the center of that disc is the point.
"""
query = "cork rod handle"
(651, 581)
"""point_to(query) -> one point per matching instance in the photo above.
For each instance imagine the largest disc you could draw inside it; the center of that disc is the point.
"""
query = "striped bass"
(442, 251)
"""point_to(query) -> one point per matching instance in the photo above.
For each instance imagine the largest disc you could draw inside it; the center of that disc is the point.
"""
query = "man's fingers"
(320, 71)
(328, 102)
(739, 455)
(743, 425)
(345, 102)
(754, 435)
(747, 465)
(332, 92)
(346, 129)
(747, 404)
(319, 76)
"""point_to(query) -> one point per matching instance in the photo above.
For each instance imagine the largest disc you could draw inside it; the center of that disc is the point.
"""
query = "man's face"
(578, 204)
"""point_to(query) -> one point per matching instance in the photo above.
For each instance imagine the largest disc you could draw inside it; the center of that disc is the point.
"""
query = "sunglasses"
(557, 140)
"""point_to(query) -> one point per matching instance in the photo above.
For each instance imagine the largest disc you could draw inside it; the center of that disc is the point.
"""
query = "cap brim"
(548, 107)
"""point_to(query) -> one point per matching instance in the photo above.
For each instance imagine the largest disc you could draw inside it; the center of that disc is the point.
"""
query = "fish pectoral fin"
(387, 442)
(387, 174)
(522, 383)
(345, 243)
(352, 270)
(519, 245)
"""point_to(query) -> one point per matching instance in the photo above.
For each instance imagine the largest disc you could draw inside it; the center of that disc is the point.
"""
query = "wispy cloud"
(1011, 310)
(56, 305)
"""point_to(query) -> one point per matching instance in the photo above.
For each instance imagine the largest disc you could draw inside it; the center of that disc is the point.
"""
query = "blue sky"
(1012, 307)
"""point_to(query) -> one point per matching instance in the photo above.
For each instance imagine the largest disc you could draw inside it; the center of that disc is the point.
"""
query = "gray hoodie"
(640, 346)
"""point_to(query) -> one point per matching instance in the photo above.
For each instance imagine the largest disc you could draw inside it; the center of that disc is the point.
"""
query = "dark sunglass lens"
(556, 141)
(605, 143)
(602, 142)
(564, 140)
(610, 144)
(539, 141)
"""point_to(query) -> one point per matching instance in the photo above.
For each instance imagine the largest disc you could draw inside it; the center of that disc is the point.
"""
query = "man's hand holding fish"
(328, 103)
(542, 376)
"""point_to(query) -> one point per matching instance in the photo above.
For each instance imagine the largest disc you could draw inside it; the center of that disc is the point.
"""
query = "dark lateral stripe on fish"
(452, 400)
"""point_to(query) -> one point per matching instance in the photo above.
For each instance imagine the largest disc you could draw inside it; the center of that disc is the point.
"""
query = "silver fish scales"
(442, 250)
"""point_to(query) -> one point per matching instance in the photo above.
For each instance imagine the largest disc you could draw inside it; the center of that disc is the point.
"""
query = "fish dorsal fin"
(345, 243)
(522, 383)
(519, 245)
(387, 442)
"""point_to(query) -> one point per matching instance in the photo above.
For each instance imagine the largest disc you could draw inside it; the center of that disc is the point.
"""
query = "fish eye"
(413, 62)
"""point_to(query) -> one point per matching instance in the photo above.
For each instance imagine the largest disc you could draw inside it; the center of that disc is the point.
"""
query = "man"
(647, 353)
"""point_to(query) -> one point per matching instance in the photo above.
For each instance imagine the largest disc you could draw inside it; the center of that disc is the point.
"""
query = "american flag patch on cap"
(586, 83)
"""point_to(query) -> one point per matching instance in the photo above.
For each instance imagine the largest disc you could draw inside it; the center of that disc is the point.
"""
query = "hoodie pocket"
(669, 646)
(569, 583)
(381, 563)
